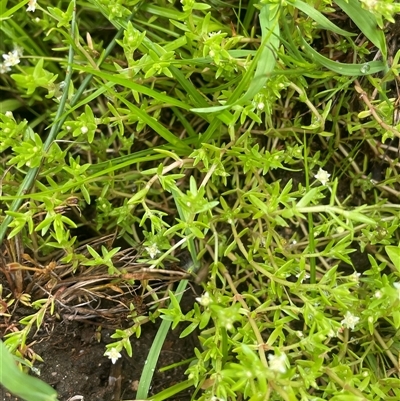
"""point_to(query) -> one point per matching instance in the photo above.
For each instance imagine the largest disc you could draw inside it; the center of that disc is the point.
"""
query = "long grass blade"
(320, 18)
(366, 22)
(354, 70)
(154, 353)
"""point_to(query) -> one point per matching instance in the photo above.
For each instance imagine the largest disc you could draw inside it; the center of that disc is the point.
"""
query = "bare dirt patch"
(75, 365)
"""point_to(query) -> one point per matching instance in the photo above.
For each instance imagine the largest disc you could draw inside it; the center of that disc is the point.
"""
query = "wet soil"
(75, 365)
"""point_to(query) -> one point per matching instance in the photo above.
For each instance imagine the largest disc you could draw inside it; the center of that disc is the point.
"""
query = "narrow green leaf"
(355, 70)
(12, 378)
(308, 197)
(45, 223)
(118, 79)
(320, 18)
(92, 252)
(212, 109)
(359, 217)
(153, 123)
(269, 22)
(366, 22)
(170, 392)
(258, 204)
(394, 255)
(167, 153)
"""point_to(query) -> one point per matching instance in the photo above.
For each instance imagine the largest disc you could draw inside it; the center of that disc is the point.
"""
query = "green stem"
(345, 386)
(310, 220)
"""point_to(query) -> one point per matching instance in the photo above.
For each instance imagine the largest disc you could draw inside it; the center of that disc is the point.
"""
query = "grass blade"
(172, 391)
(366, 22)
(129, 83)
(355, 70)
(154, 353)
(320, 18)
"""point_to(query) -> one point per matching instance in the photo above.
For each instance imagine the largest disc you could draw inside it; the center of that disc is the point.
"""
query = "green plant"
(241, 143)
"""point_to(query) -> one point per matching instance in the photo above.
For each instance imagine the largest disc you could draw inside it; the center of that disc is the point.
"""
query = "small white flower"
(11, 59)
(228, 324)
(370, 4)
(260, 106)
(378, 294)
(322, 176)
(340, 230)
(205, 299)
(355, 277)
(211, 34)
(152, 250)
(32, 5)
(84, 130)
(113, 354)
(277, 363)
(397, 286)
(4, 68)
(35, 370)
(305, 277)
(9, 114)
(332, 334)
(19, 50)
(350, 320)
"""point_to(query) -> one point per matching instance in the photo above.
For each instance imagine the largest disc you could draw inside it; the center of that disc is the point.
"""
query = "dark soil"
(75, 365)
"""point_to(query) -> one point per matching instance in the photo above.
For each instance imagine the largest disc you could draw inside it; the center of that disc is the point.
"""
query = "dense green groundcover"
(260, 136)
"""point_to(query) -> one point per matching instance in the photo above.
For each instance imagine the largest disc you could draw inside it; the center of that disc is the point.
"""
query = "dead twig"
(364, 97)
